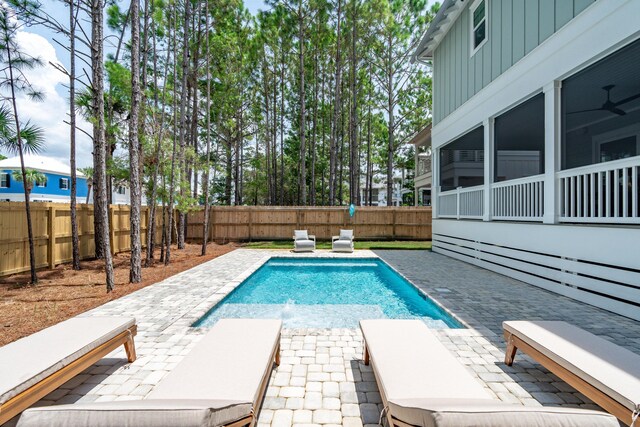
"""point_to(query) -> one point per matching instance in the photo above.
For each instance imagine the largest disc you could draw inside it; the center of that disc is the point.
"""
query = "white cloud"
(52, 113)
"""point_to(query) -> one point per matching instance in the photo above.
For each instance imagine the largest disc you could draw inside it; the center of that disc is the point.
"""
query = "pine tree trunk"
(282, 112)
(75, 240)
(336, 114)
(205, 184)
(302, 183)
(25, 184)
(158, 132)
(369, 178)
(391, 142)
(135, 271)
(172, 176)
(183, 116)
(101, 209)
(353, 120)
(312, 184)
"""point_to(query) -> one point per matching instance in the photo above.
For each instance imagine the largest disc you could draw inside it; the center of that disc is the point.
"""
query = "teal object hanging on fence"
(352, 209)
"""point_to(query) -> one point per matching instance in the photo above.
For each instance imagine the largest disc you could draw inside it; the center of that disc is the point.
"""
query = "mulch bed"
(62, 293)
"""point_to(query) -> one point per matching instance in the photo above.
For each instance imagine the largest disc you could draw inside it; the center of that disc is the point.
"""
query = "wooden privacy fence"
(52, 233)
(239, 223)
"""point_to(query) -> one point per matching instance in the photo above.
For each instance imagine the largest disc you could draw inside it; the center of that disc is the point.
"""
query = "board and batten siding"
(516, 27)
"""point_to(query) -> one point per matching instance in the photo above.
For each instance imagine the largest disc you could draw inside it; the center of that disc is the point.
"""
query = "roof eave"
(438, 29)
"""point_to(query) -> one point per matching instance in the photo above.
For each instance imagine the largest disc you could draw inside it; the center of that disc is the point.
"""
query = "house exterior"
(423, 176)
(56, 187)
(536, 143)
(379, 190)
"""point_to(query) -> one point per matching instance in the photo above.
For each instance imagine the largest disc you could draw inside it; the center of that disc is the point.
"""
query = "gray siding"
(516, 27)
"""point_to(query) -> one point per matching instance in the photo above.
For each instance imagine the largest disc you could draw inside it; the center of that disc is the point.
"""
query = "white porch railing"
(462, 203)
(601, 193)
(519, 199)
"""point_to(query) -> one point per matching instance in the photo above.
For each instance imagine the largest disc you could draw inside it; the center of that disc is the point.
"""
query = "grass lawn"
(392, 244)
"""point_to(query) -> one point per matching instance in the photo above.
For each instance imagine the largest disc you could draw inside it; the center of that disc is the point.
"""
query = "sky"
(52, 113)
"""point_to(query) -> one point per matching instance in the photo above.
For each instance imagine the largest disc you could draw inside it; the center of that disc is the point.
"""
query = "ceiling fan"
(609, 105)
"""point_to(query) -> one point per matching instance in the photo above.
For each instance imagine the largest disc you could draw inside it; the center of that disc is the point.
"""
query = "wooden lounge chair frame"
(252, 419)
(390, 418)
(599, 397)
(23, 400)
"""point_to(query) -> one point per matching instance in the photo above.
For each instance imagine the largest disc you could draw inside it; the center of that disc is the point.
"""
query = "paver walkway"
(321, 380)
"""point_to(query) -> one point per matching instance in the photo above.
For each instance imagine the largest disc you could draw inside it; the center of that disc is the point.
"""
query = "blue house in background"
(56, 187)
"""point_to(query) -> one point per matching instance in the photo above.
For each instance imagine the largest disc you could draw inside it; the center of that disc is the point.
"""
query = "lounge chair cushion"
(305, 245)
(605, 365)
(346, 234)
(411, 363)
(140, 413)
(456, 412)
(217, 382)
(31, 359)
(236, 355)
(300, 235)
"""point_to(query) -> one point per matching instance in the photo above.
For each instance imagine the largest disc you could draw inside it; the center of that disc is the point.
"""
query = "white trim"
(67, 183)
(8, 180)
(489, 160)
(599, 30)
(472, 29)
(552, 138)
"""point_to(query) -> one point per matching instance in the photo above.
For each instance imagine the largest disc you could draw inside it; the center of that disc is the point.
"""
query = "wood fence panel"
(54, 220)
(244, 223)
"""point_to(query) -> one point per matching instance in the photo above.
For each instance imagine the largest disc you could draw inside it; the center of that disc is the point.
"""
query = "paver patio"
(322, 380)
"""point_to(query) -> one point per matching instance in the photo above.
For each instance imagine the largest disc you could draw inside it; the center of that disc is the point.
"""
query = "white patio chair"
(303, 241)
(343, 242)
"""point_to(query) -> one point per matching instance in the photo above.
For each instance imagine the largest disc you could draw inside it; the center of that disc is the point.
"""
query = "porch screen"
(462, 161)
(519, 141)
(601, 110)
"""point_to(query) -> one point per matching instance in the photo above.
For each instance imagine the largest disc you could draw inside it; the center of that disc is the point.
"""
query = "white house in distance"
(536, 143)
(423, 178)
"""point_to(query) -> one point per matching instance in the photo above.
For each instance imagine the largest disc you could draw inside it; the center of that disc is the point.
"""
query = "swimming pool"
(327, 293)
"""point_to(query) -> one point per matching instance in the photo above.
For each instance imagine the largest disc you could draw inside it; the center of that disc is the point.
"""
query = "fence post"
(212, 213)
(51, 252)
(393, 230)
(458, 203)
(250, 222)
(112, 231)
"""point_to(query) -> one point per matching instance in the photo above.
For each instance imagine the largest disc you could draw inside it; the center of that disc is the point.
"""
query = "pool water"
(327, 293)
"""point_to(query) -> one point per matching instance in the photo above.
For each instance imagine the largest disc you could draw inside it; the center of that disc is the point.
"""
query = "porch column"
(552, 138)
(487, 125)
(435, 181)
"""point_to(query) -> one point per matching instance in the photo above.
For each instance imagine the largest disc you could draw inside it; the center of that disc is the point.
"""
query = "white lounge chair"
(601, 370)
(343, 242)
(221, 382)
(303, 241)
(423, 384)
(34, 366)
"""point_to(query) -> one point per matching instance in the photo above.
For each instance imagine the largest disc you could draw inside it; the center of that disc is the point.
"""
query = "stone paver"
(322, 380)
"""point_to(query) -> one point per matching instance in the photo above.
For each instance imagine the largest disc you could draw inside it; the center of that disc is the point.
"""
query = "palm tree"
(17, 136)
(31, 177)
(88, 173)
(30, 139)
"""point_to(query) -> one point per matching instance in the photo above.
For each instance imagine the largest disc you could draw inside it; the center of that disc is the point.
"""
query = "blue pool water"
(327, 293)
